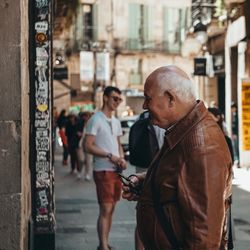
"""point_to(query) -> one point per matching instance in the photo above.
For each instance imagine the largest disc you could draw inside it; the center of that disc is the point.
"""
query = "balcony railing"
(133, 45)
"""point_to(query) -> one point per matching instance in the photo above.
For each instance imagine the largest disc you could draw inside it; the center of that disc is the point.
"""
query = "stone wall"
(14, 126)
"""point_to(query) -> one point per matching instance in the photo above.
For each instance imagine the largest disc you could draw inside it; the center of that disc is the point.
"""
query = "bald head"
(173, 79)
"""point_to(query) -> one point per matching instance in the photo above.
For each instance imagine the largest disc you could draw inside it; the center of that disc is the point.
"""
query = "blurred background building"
(120, 43)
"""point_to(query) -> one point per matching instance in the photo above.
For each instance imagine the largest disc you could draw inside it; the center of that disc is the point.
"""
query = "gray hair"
(181, 85)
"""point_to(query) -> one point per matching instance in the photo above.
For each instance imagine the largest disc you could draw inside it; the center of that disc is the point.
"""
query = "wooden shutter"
(134, 25)
(95, 21)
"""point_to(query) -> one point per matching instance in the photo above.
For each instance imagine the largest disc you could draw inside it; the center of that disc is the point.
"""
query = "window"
(87, 22)
(140, 17)
(174, 24)
(86, 25)
(135, 75)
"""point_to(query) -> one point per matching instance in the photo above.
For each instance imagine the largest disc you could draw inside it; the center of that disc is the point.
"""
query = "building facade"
(135, 37)
(237, 65)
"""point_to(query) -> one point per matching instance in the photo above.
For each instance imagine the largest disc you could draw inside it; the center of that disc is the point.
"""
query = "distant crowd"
(71, 129)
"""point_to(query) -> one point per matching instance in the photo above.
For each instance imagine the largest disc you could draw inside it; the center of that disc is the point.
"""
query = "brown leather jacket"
(193, 173)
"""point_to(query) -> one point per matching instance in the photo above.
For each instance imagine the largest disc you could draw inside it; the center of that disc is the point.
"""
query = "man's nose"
(144, 105)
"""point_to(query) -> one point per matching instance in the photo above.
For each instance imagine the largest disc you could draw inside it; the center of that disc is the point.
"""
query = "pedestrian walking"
(85, 158)
(102, 140)
(235, 133)
(73, 142)
(186, 191)
(61, 123)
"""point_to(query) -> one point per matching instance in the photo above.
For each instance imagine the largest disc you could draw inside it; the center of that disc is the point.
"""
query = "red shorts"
(108, 186)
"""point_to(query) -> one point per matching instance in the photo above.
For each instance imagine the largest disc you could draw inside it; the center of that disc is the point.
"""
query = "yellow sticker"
(42, 107)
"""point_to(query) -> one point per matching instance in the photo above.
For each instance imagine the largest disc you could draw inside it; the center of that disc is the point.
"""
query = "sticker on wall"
(41, 37)
(41, 27)
(42, 107)
(42, 115)
(41, 73)
(42, 3)
(42, 166)
(41, 123)
(41, 56)
(42, 144)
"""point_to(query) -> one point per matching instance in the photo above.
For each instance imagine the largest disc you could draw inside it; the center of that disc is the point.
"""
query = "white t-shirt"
(106, 130)
(160, 133)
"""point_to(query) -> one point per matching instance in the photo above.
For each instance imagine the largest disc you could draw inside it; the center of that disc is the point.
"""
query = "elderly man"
(186, 191)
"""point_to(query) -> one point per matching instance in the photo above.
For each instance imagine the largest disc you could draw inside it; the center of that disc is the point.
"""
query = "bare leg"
(88, 166)
(104, 223)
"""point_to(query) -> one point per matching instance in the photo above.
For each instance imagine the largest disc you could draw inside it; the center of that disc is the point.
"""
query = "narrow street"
(77, 210)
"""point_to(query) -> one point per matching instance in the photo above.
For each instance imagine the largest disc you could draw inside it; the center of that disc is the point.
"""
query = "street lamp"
(200, 32)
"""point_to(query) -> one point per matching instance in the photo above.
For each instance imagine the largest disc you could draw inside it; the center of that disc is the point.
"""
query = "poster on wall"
(102, 66)
(86, 66)
(246, 114)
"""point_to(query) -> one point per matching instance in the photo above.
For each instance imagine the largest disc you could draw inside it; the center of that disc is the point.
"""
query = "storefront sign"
(200, 66)
(218, 61)
(246, 114)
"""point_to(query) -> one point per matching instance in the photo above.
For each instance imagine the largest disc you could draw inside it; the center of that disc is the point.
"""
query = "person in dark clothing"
(145, 140)
(235, 133)
(73, 142)
(84, 157)
(61, 123)
(217, 115)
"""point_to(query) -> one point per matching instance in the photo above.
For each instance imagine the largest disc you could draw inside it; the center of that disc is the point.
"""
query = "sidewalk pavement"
(241, 208)
(77, 211)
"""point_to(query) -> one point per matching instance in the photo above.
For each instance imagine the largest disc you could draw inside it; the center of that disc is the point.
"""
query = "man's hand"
(127, 194)
(122, 164)
(119, 162)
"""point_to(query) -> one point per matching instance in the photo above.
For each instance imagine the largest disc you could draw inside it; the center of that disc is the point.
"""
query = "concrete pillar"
(15, 205)
(228, 91)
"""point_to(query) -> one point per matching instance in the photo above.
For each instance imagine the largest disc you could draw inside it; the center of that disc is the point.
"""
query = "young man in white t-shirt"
(102, 140)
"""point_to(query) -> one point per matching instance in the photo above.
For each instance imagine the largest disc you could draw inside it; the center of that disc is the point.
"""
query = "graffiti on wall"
(42, 124)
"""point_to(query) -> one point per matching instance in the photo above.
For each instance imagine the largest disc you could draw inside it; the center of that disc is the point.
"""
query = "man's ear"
(170, 97)
(105, 98)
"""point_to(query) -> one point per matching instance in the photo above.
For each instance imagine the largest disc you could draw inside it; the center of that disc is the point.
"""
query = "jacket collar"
(177, 132)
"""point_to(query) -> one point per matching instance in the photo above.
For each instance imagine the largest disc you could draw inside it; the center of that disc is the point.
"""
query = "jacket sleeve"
(201, 194)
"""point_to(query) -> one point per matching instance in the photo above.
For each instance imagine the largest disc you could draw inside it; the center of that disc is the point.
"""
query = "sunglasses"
(116, 98)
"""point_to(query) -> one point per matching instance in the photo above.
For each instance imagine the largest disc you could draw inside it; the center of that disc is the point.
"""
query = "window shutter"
(95, 22)
(150, 24)
(172, 36)
(79, 24)
(134, 26)
(134, 21)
